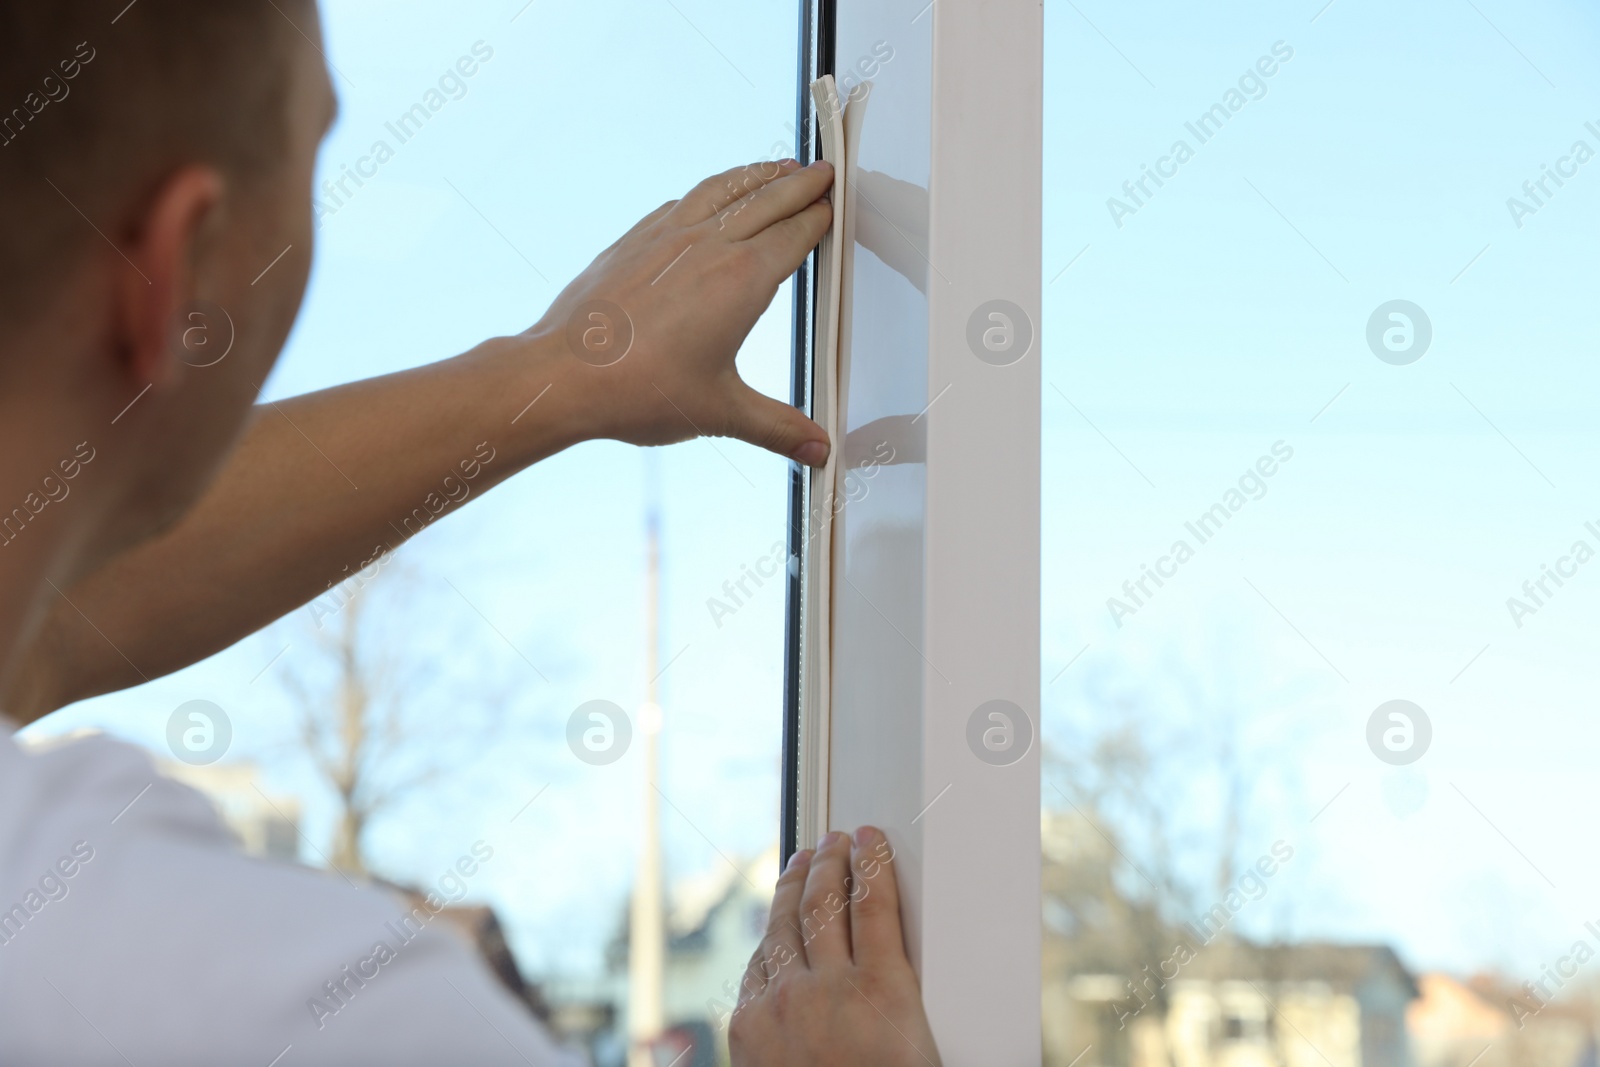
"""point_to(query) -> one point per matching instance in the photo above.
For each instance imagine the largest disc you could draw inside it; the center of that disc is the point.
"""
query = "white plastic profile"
(920, 641)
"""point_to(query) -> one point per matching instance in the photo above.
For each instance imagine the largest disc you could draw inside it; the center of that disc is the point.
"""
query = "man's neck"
(46, 519)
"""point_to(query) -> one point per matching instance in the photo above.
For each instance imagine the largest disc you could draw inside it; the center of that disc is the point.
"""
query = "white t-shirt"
(134, 931)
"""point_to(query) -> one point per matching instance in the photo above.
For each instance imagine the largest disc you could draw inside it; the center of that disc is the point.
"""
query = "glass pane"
(1319, 425)
(452, 208)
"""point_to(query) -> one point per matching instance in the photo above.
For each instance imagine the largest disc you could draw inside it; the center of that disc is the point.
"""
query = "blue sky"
(1226, 315)
(582, 121)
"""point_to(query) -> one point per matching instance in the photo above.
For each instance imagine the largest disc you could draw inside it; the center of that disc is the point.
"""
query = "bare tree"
(1167, 785)
(1186, 766)
(380, 714)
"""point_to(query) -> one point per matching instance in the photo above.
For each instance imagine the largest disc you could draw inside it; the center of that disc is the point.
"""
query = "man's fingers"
(786, 243)
(783, 945)
(716, 193)
(642, 223)
(774, 202)
(825, 909)
(777, 427)
(877, 941)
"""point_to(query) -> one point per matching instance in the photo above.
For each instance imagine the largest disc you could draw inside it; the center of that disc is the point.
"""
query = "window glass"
(1320, 531)
(452, 206)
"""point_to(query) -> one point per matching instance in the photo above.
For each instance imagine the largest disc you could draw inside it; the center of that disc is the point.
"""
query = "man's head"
(155, 166)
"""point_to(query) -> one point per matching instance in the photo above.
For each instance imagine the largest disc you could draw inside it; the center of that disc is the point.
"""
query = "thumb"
(777, 427)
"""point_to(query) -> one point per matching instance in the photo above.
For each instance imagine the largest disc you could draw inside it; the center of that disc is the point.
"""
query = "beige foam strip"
(817, 638)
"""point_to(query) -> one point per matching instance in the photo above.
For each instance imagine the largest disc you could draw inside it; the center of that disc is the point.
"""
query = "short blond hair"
(102, 99)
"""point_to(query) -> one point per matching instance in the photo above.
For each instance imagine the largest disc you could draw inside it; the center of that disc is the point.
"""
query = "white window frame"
(935, 552)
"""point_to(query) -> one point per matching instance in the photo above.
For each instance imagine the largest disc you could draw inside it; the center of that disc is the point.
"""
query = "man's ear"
(166, 249)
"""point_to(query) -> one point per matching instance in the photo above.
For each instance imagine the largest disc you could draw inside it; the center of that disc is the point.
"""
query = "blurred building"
(479, 926)
(1124, 986)
(1485, 1022)
(715, 920)
(1237, 1004)
(266, 824)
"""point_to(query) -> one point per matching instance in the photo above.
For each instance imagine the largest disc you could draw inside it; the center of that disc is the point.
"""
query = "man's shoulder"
(92, 784)
(126, 910)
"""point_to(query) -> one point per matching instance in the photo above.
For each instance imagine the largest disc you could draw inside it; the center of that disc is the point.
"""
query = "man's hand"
(324, 484)
(830, 983)
(653, 325)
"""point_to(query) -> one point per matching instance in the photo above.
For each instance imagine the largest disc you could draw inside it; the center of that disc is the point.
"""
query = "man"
(155, 159)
